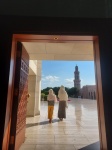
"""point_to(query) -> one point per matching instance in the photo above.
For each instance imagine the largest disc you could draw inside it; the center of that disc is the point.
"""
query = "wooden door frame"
(67, 38)
(6, 139)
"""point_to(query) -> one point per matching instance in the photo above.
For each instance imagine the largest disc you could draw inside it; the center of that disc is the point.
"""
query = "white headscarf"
(62, 94)
(51, 96)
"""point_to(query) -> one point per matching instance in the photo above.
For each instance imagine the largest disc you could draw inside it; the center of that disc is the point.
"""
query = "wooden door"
(18, 120)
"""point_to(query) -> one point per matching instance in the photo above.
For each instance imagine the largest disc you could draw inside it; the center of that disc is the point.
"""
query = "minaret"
(76, 78)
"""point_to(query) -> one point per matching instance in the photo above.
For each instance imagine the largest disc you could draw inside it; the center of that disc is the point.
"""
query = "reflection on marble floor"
(79, 129)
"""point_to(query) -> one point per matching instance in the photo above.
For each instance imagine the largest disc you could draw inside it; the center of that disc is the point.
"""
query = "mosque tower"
(77, 78)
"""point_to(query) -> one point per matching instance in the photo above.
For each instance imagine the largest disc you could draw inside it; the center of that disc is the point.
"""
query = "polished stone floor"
(79, 129)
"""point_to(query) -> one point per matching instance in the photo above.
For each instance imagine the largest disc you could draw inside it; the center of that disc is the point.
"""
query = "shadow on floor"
(94, 146)
(41, 123)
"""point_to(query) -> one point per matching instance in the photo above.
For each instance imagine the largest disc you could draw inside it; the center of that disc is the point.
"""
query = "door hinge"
(11, 139)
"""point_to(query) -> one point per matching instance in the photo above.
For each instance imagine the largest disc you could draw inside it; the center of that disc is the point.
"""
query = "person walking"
(51, 98)
(63, 98)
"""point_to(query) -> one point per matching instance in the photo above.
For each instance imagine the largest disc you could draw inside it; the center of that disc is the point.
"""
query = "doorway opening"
(37, 39)
(81, 123)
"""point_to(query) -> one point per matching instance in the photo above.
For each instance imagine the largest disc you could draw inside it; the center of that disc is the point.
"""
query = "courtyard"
(79, 129)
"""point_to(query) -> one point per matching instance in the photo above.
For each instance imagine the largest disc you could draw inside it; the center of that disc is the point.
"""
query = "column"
(34, 88)
(38, 89)
(31, 99)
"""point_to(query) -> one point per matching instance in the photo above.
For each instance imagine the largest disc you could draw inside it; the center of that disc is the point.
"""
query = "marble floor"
(79, 129)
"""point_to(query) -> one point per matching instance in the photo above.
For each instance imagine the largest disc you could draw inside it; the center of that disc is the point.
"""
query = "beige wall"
(88, 91)
(31, 99)
(32, 67)
(34, 88)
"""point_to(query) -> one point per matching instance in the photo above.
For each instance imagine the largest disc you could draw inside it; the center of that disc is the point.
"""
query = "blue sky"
(57, 73)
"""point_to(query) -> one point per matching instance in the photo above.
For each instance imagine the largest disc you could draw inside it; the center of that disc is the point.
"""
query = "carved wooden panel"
(23, 91)
(22, 99)
(18, 119)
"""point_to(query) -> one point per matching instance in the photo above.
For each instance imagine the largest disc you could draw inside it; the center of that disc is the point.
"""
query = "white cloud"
(51, 78)
(70, 80)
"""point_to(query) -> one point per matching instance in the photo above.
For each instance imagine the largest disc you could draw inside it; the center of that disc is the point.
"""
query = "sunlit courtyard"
(79, 129)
